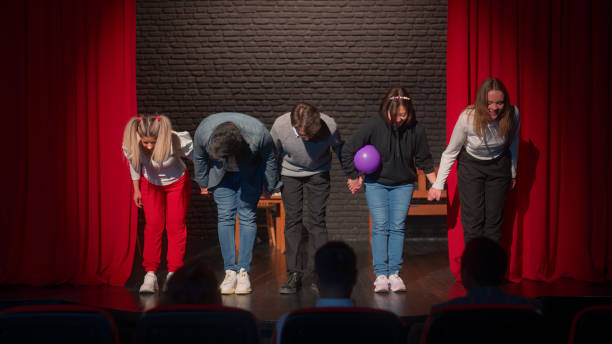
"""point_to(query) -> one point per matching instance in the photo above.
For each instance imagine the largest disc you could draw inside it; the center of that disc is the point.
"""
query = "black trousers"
(317, 187)
(483, 185)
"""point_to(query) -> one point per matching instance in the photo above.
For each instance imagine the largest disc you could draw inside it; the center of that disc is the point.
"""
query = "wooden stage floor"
(425, 272)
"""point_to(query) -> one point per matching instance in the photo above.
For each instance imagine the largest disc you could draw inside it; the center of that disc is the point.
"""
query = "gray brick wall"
(196, 58)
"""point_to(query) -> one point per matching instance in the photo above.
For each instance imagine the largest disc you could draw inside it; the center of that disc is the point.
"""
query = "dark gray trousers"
(317, 187)
(483, 185)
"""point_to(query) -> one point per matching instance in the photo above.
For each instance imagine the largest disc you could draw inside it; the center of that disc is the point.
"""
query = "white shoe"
(397, 285)
(229, 282)
(381, 284)
(168, 276)
(244, 284)
(150, 283)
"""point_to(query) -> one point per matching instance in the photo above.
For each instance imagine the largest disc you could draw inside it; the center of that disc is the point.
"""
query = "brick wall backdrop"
(195, 58)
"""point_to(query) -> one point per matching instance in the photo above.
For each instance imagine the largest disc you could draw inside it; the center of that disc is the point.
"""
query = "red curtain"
(554, 57)
(69, 87)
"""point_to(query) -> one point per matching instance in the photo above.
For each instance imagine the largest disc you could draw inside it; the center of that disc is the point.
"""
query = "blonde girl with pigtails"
(162, 187)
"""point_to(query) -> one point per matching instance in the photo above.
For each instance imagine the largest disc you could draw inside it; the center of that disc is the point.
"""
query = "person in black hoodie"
(402, 144)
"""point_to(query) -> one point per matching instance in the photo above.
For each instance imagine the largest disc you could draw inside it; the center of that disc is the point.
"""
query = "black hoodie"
(400, 150)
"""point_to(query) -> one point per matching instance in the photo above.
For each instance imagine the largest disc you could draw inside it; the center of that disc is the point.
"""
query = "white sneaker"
(150, 283)
(397, 285)
(244, 284)
(381, 284)
(229, 282)
(168, 276)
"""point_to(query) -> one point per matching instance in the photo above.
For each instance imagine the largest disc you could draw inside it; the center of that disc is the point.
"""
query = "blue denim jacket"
(261, 161)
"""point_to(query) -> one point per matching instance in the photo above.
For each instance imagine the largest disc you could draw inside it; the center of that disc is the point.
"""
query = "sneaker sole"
(287, 291)
(227, 292)
(149, 291)
(399, 290)
(243, 292)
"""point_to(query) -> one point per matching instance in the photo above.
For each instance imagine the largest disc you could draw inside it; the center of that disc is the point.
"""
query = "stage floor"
(425, 272)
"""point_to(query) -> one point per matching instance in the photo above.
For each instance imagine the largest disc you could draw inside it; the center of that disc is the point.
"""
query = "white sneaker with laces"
(381, 284)
(229, 282)
(168, 276)
(244, 284)
(397, 285)
(150, 283)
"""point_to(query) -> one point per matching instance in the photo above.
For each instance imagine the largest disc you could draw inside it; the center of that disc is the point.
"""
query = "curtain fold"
(554, 58)
(70, 87)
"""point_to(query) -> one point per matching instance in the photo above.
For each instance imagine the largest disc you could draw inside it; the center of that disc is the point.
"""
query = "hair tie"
(399, 97)
(157, 118)
(139, 119)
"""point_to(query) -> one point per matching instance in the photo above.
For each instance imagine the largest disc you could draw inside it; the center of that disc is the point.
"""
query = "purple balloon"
(367, 159)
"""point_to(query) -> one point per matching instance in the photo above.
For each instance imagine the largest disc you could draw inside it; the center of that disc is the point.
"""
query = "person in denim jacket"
(235, 161)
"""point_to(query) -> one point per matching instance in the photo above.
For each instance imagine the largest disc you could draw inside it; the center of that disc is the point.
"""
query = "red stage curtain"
(554, 57)
(68, 87)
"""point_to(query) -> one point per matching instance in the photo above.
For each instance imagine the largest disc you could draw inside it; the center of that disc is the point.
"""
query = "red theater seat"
(197, 324)
(485, 324)
(335, 325)
(57, 324)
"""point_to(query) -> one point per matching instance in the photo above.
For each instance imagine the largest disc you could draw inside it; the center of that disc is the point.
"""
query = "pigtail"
(131, 141)
(164, 138)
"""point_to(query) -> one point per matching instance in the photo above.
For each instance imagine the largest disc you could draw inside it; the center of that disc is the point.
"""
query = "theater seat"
(592, 325)
(57, 324)
(197, 324)
(335, 325)
(485, 324)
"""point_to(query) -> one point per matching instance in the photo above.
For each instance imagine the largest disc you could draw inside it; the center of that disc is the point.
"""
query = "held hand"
(204, 191)
(138, 198)
(434, 193)
(354, 184)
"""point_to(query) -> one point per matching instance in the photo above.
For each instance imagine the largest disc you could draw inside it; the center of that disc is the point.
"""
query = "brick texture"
(195, 58)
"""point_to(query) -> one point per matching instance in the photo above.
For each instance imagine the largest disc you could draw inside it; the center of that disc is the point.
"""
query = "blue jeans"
(388, 207)
(233, 195)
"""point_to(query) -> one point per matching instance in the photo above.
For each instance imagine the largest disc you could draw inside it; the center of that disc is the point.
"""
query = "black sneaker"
(292, 285)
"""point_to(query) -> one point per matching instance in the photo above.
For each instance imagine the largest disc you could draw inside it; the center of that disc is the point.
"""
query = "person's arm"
(422, 158)
(135, 174)
(514, 147)
(449, 155)
(359, 139)
(278, 144)
(336, 145)
(200, 161)
(186, 144)
(137, 194)
(268, 155)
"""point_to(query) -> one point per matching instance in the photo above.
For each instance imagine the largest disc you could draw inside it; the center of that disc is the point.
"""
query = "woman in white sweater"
(485, 144)
(154, 152)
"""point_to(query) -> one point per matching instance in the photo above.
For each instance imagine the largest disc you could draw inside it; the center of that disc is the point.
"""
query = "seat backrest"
(322, 325)
(560, 311)
(197, 324)
(485, 324)
(592, 325)
(57, 324)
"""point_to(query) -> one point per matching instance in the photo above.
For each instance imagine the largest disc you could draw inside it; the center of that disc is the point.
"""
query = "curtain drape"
(554, 57)
(69, 87)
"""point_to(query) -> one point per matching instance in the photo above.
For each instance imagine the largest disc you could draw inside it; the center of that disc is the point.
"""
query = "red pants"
(165, 205)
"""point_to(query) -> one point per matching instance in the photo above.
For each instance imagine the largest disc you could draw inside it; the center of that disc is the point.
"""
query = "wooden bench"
(420, 195)
(275, 222)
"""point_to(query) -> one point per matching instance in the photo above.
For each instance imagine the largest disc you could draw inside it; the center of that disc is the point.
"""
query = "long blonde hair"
(481, 117)
(157, 126)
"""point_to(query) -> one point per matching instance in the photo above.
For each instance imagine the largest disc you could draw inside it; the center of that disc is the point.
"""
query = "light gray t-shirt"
(488, 147)
(302, 158)
(171, 170)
